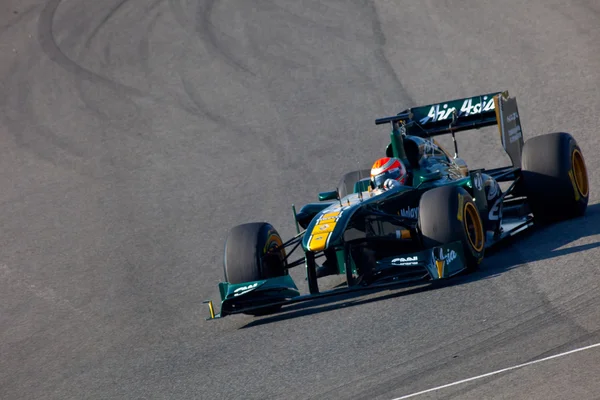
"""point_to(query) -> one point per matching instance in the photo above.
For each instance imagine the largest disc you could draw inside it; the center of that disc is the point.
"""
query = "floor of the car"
(510, 226)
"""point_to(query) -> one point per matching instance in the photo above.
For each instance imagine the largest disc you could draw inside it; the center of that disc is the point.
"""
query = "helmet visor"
(395, 174)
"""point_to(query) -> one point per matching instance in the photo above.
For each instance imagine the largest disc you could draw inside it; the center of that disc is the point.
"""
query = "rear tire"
(346, 185)
(448, 214)
(555, 177)
(244, 260)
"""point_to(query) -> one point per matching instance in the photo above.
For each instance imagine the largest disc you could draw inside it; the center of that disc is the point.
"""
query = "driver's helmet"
(387, 168)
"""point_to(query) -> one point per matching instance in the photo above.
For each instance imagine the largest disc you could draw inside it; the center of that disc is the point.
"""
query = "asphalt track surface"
(134, 134)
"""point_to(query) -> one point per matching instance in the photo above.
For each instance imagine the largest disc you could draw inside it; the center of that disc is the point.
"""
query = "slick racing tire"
(245, 261)
(555, 178)
(346, 185)
(448, 214)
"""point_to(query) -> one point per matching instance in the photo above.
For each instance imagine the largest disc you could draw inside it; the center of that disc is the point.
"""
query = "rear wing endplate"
(509, 127)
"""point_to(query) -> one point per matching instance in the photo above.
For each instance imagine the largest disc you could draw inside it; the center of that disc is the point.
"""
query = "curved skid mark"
(178, 13)
(144, 46)
(111, 13)
(329, 30)
(201, 27)
(261, 53)
(205, 28)
(218, 119)
(30, 134)
(380, 55)
(53, 51)
(201, 106)
(104, 20)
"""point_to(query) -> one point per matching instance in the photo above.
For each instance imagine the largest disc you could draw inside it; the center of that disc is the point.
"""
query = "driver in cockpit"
(388, 172)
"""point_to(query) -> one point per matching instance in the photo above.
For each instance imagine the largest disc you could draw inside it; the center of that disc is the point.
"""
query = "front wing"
(427, 265)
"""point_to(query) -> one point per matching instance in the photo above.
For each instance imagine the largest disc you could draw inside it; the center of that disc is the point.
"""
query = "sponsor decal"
(405, 260)
(510, 126)
(410, 212)
(514, 134)
(512, 117)
(495, 211)
(441, 112)
(442, 260)
(244, 289)
(449, 256)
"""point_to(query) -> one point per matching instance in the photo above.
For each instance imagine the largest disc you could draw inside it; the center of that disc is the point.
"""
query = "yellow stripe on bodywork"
(440, 267)
(322, 230)
(324, 227)
(318, 242)
(332, 216)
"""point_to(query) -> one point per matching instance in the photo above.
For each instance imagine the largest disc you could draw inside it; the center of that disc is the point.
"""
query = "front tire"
(249, 256)
(448, 214)
(555, 177)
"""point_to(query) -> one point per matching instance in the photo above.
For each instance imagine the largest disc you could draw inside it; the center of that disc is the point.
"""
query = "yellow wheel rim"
(580, 172)
(473, 227)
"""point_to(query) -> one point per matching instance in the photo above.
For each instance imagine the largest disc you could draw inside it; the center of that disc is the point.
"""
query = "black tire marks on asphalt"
(54, 52)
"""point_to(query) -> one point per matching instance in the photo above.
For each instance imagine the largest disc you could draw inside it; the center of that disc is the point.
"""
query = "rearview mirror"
(333, 195)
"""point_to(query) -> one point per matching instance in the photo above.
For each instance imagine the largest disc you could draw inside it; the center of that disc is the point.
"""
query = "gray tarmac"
(134, 134)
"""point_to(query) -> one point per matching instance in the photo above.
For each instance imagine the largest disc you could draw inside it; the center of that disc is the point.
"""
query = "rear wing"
(453, 116)
(447, 117)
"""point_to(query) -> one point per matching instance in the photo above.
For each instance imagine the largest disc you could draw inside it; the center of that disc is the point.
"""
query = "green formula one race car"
(436, 225)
